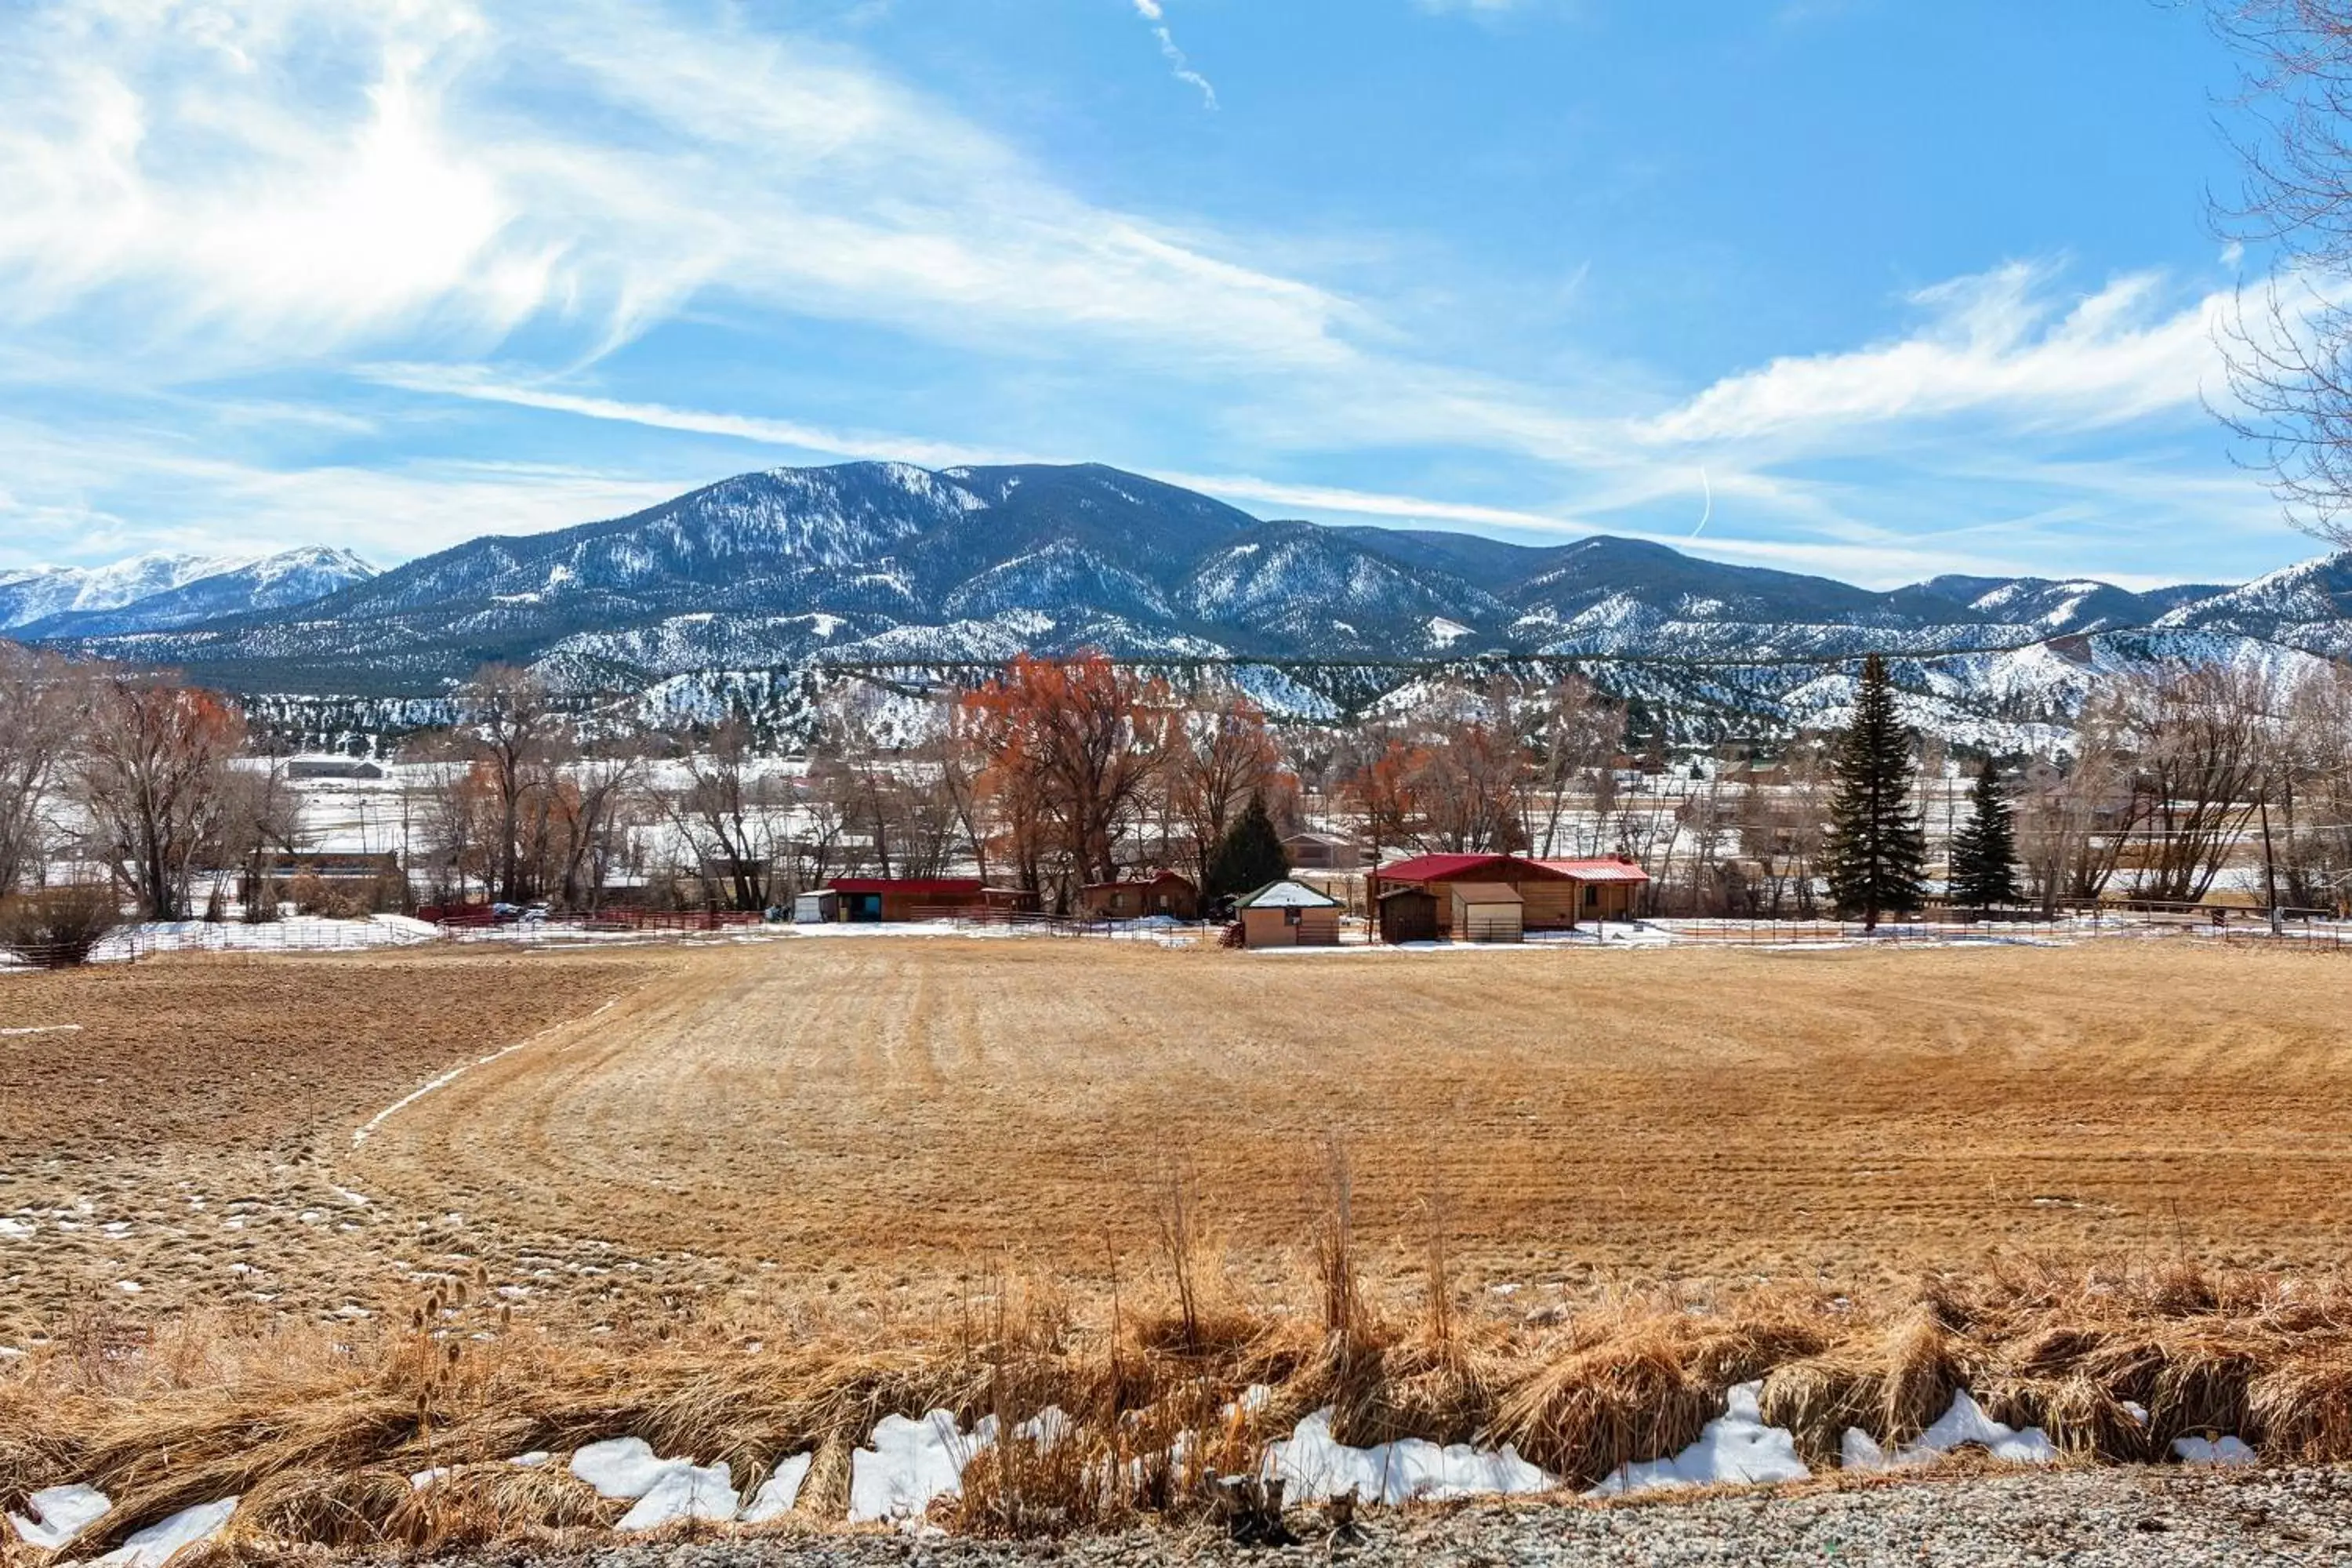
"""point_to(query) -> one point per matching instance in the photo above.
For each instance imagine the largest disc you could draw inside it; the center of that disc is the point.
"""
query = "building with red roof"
(1449, 894)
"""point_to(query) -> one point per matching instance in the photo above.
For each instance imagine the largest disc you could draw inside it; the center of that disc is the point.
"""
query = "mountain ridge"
(890, 563)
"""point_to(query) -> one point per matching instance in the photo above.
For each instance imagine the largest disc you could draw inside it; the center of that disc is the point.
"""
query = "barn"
(872, 898)
(1288, 915)
(1163, 893)
(1473, 895)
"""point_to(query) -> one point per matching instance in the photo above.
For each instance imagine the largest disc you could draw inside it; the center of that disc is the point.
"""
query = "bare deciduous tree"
(2290, 347)
(41, 701)
(154, 774)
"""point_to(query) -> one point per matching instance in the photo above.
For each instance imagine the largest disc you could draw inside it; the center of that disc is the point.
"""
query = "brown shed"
(870, 898)
(1163, 893)
(1408, 914)
(1288, 915)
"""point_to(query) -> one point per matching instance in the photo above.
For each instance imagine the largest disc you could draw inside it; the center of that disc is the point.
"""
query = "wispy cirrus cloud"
(2005, 343)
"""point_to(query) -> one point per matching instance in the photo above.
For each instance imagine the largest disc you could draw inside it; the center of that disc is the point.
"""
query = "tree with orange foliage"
(1071, 743)
(153, 780)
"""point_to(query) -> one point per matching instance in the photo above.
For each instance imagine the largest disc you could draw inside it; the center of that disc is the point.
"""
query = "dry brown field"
(873, 1124)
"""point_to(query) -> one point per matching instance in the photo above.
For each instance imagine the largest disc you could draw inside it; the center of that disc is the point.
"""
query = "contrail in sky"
(1150, 10)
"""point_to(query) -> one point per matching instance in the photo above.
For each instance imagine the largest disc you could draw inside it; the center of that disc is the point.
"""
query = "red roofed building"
(869, 898)
(1553, 895)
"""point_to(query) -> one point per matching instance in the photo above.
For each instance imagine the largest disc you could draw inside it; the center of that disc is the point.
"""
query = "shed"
(1288, 915)
(1408, 914)
(815, 908)
(1309, 850)
(1488, 912)
(1133, 898)
(874, 899)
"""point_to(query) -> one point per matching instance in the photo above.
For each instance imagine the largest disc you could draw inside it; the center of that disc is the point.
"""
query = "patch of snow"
(911, 1463)
(1318, 1465)
(532, 1460)
(151, 1547)
(779, 1493)
(129, 1286)
(684, 1491)
(2225, 1451)
(1964, 1422)
(60, 1513)
(15, 1229)
(1444, 633)
(1735, 1448)
(43, 1029)
(620, 1466)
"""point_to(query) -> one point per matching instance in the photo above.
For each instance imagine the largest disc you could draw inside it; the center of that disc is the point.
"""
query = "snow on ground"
(684, 1491)
(1317, 1465)
(60, 1513)
(621, 1467)
(780, 1493)
(2224, 1451)
(1965, 1422)
(910, 1463)
(1737, 1449)
(151, 1547)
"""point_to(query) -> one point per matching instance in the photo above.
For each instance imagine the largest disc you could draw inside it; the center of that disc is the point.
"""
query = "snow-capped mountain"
(869, 565)
(154, 593)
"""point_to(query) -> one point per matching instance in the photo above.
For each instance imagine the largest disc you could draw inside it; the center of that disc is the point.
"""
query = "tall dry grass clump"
(1112, 1410)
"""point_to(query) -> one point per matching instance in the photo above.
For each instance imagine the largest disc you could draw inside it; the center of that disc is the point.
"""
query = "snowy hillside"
(156, 592)
(864, 565)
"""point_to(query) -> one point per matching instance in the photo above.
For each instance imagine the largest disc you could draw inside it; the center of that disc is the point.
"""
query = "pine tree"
(1984, 851)
(1876, 842)
(1250, 856)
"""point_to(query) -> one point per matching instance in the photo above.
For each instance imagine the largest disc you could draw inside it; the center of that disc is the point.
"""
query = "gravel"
(2086, 1518)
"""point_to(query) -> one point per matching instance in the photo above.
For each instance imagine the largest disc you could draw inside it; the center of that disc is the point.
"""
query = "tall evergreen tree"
(1876, 842)
(1250, 856)
(1984, 851)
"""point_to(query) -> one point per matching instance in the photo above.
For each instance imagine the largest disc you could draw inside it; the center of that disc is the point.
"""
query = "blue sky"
(1866, 288)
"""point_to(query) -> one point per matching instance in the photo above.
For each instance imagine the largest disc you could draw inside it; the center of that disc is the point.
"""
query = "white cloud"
(226, 188)
(787, 434)
(2000, 344)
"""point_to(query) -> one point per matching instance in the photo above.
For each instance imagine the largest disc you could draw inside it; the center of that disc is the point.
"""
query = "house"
(872, 898)
(332, 768)
(1552, 895)
(337, 866)
(1162, 893)
(1312, 851)
(1288, 915)
(1607, 886)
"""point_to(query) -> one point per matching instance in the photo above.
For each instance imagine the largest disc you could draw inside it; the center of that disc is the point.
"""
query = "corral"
(874, 1121)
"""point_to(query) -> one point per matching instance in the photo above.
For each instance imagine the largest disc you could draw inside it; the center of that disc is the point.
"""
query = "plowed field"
(869, 1120)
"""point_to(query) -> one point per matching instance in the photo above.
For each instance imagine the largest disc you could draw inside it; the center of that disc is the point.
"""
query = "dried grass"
(318, 1433)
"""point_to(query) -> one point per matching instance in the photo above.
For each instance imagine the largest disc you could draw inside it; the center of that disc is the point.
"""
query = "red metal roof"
(1459, 867)
(905, 885)
(1601, 870)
